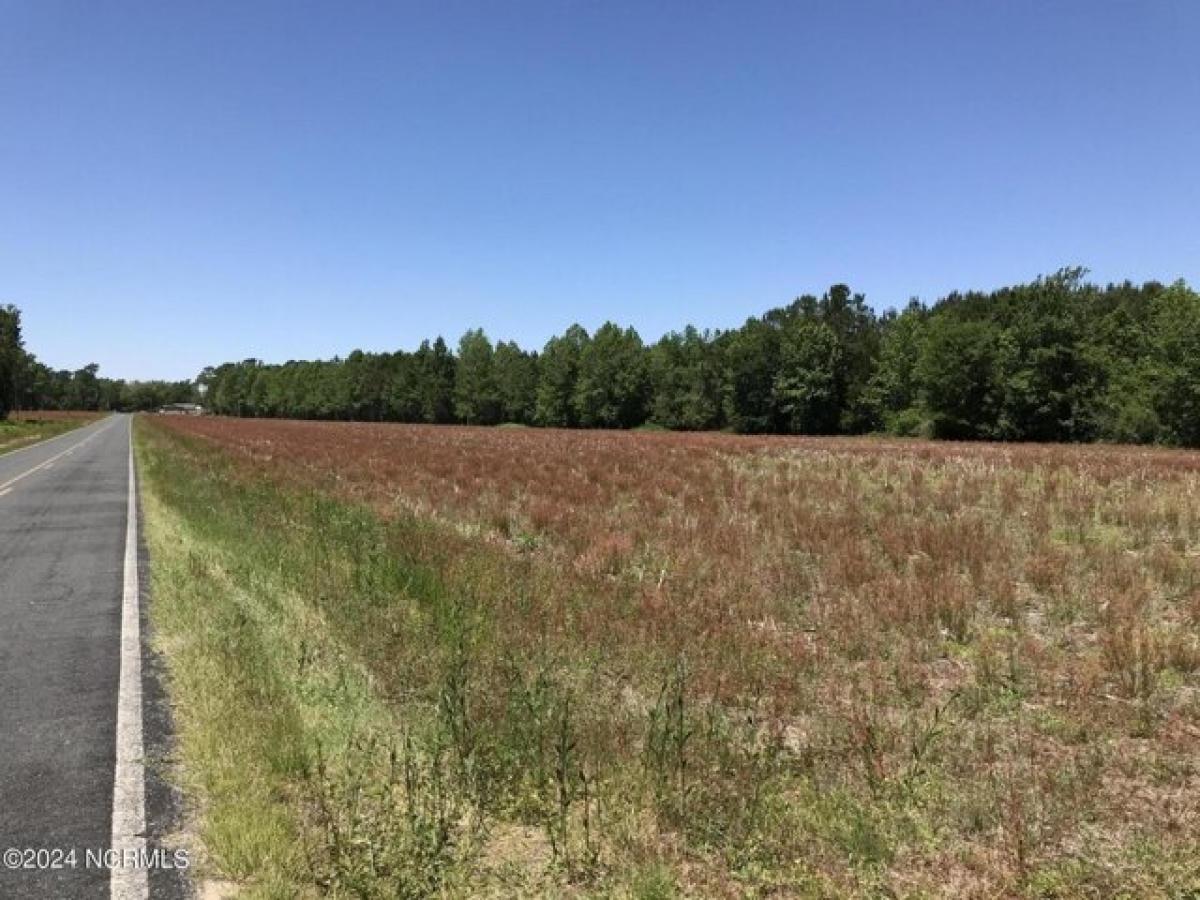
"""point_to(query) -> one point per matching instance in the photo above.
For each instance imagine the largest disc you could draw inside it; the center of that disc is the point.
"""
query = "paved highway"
(67, 689)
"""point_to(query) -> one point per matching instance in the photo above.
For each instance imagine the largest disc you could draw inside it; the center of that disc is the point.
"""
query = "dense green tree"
(806, 390)
(366, 377)
(1047, 379)
(516, 378)
(856, 332)
(402, 398)
(86, 389)
(558, 374)
(956, 373)
(685, 371)
(435, 378)
(1174, 371)
(613, 386)
(890, 398)
(752, 356)
(476, 394)
(12, 358)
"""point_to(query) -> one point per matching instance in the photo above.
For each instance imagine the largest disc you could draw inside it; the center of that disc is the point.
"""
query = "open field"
(22, 428)
(411, 660)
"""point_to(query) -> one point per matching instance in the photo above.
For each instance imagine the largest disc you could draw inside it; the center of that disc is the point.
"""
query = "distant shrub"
(911, 422)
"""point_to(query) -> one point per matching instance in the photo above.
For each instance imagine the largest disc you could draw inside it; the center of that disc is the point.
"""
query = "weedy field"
(417, 660)
(22, 428)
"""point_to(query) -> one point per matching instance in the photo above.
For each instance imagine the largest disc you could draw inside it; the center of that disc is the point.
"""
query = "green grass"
(18, 433)
(279, 611)
(299, 766)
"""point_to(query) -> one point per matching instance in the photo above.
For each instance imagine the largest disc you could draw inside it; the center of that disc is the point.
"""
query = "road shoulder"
(165, 808)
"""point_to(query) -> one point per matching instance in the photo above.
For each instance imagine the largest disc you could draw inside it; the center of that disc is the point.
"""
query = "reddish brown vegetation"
(54, 415)
(988, 653)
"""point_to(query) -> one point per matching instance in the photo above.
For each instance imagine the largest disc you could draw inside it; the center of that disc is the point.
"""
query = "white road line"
(52, 460)
(129, 882)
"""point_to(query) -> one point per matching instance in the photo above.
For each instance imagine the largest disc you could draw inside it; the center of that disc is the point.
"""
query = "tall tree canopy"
(1055, 359)
(12, 358)
(476, 394)
(558, 373)
(613, 385)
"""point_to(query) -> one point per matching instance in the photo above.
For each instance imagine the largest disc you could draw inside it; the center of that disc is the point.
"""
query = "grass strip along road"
(25, 429)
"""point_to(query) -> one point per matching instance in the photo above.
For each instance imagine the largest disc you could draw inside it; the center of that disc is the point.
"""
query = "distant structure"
(182, 409)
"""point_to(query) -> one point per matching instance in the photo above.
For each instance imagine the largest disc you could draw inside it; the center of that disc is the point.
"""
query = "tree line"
(1055, 359)
(27, 384)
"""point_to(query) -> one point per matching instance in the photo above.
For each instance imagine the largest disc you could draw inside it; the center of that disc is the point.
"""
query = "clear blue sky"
(189, 183)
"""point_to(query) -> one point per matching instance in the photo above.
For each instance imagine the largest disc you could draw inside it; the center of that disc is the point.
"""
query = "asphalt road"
(63, 518)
